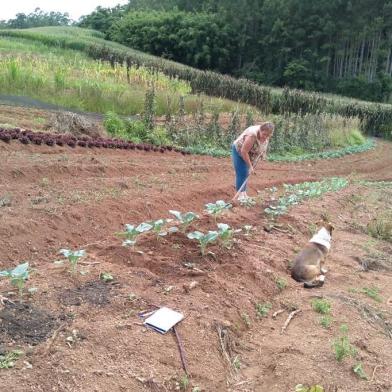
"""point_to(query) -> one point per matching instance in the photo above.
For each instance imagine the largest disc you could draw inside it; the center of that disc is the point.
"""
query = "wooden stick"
(374, 372)
(291, 315)
(277, 312)
(53, 338)
(182, 352)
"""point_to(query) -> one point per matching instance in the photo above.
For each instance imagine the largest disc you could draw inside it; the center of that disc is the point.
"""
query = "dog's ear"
(324, 218)
(330, 227)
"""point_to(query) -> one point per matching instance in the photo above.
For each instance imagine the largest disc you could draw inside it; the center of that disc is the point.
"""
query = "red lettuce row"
(40, 138)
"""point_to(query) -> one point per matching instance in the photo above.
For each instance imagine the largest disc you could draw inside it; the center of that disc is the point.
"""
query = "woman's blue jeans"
(241, 169)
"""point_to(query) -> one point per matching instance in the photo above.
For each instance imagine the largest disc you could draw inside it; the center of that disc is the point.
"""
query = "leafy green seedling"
(217, 208)
(17, 276)
(321, 306)
(158, 227)
(358, 370)
(73, 257)
(262, 310)
(131, 232)
(7, 360)
(342, 346)
(203, 239)
(184, 219)
(106, 277)
(226, 234)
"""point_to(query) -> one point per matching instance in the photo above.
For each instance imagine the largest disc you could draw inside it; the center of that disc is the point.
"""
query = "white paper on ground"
(163, 319)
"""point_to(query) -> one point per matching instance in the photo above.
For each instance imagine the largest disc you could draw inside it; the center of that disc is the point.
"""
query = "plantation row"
(376, 118)
(39, 138)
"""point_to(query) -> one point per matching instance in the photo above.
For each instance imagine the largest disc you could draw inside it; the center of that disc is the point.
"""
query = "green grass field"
(71, 79)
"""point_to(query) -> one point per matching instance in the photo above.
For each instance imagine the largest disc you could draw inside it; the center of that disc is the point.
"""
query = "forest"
(337, 46)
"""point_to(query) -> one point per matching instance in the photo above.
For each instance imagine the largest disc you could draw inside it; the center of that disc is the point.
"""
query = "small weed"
(281, 283)
(263, 309)
(321, 306)
(313, 388)
(106, 277)
(184, 383)
(196, 389)
(7, 360)
(44, 182)
(372, 292)
(326, 321)
(358, 370)
(342, 346)
(237, 363)
(246, 319)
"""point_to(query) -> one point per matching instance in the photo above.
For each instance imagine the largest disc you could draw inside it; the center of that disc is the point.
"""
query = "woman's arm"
(246, 147)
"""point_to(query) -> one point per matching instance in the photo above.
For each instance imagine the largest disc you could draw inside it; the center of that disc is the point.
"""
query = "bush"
(136, 131)
(114, 124)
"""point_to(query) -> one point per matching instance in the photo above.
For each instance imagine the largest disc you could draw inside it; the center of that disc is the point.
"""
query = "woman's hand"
(252, 170)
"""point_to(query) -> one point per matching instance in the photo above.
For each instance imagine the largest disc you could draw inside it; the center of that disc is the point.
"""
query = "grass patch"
(322, 306)
(262, 309)
(326, 321)
(381, 227)
(372, 292)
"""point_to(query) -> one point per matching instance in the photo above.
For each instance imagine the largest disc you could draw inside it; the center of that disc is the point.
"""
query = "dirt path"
(93, 340)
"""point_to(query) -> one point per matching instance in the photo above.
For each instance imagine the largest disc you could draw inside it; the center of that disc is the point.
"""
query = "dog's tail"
(319, 282)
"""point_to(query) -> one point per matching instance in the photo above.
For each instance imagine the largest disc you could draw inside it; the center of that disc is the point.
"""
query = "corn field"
(376, 119)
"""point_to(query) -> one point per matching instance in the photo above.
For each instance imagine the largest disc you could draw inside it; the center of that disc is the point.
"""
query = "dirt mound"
(76, 124)
(25, 323)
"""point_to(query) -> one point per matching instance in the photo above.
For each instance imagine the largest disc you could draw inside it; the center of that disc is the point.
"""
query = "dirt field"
(80, 334)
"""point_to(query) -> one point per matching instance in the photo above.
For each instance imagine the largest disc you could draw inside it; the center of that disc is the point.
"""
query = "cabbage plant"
(132, 232)
(184, 219)
(73, 257)
(203, 239)
(17, 276)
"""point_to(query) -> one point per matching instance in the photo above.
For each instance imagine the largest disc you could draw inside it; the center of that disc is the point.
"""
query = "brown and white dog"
(308, 265)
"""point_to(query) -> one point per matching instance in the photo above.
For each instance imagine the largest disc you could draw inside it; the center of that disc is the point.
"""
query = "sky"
(75, 8)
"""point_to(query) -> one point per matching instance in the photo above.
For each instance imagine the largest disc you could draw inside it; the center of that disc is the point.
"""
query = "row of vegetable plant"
(50, 139)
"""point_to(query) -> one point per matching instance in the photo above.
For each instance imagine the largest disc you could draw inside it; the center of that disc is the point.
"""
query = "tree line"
(341, 46)
(37, 18)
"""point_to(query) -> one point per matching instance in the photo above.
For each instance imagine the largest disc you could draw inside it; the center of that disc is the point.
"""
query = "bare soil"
(58, 197)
